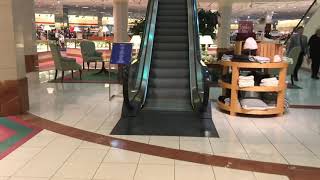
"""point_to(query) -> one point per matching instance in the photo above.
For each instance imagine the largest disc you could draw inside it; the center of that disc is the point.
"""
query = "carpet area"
(13, 133)
(89, 77)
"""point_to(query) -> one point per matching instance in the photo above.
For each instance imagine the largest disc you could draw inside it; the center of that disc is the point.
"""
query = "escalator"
(166, 89)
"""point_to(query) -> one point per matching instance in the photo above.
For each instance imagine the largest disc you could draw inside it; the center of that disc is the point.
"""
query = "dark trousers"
(298, 65)
(315, 66)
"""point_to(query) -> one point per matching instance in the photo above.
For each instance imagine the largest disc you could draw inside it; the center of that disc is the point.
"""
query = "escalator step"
(168, 104)
(172, 25)
(170, 54)
(172, 12)
(169, 93)
(169, 83)
(171, 39)
(170, 46)
(171, 19)
(166, 6)
(171, 32)
(169, 73)
(172, 63)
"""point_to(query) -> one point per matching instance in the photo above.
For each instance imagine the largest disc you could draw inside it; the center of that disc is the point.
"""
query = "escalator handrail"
(197, 100)
(302, 18)
(145, 54)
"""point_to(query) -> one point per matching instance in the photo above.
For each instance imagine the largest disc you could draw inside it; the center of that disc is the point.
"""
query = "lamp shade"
(105, 29)
(250, 44)
(136, 40)
(206, 39)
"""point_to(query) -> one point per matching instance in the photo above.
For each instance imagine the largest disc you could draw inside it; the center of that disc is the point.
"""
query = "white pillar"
(13, 81)
(120, 15)
(223, 36)
(29, 35)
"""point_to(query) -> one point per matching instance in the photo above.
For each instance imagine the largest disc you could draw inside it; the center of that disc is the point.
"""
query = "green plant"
(208, 22)
(138, 27)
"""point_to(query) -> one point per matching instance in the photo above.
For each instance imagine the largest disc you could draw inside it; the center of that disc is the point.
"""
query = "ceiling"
(283, 9)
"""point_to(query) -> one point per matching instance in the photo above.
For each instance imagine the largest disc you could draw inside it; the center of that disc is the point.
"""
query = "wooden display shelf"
(253, 88)
(233, 86)
(240, 110)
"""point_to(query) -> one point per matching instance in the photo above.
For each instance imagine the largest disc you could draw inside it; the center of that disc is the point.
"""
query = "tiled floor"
(291, 139)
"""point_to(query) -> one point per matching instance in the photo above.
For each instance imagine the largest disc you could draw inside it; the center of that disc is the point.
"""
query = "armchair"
(89, 53)
(63, 63)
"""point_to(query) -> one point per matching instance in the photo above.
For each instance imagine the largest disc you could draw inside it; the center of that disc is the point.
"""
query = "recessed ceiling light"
(308, 17)
(85, 7)
(295, 7)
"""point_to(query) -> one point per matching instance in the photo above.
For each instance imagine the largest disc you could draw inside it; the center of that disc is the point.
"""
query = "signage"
(246, 27)
(121, 53)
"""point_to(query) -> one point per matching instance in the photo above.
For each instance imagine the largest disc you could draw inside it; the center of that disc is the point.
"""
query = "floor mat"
(166, 123)
(90, 76)
(13, 133)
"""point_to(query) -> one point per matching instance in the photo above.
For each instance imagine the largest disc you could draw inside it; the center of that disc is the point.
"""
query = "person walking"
(298, 40)
(314, 44)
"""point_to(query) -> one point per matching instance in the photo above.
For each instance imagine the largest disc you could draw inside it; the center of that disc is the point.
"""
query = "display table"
(236, 67)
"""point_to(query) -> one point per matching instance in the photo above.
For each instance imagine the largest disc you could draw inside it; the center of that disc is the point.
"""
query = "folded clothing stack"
(254, 104)
(246, 81)
(269, 82)
(261, 59)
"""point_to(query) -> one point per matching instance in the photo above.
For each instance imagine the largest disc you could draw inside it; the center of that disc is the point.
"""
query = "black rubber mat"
(166, 123)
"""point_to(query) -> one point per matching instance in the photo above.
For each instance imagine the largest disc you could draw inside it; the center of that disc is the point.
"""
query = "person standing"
(298, 40)
(314, 44)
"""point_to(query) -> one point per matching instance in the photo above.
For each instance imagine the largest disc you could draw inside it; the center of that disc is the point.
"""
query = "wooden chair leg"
(56, 75)
(62, 77)
(83, 65)
(80, 74)
(95, 65)
(72, 74)
(88, 63)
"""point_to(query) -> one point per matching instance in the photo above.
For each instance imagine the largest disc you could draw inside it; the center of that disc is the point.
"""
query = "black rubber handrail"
(303, 17)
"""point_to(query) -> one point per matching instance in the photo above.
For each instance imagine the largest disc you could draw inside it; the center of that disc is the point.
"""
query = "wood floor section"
(291, 171)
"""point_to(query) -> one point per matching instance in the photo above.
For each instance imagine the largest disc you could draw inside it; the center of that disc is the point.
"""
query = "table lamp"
(136, 41)
(206, 40)
(105, 29)
(250, 44)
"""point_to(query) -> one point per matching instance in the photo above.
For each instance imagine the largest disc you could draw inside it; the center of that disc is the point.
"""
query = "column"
(120, 15)
(223, 36)
(29, 35)
(13, 82)
(100, 16)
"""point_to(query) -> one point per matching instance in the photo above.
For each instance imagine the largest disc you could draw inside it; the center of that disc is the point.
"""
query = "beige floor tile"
(4, 178)
(23, 154)
(9, 167)
(121, 156)
(113, 171)
(196, 146)
(186, 163)
(88, 155)
(193, 172)
(230, 174)
(90, 145)
(27, 178)
(78, 170)
(227, 147)
(148, 159)
(233, 155)
(312, 161)
(263, 176)
(154, 172)
(267, 149)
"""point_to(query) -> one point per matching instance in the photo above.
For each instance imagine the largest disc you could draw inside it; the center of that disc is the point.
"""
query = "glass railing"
(199, 75)
(138, 72)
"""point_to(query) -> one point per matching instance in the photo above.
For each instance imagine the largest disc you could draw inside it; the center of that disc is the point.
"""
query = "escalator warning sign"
(121, 53)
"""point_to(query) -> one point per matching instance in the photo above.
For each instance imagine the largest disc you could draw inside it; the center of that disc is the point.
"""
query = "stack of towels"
(269, 82)
(261, 59)
(246, 81)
